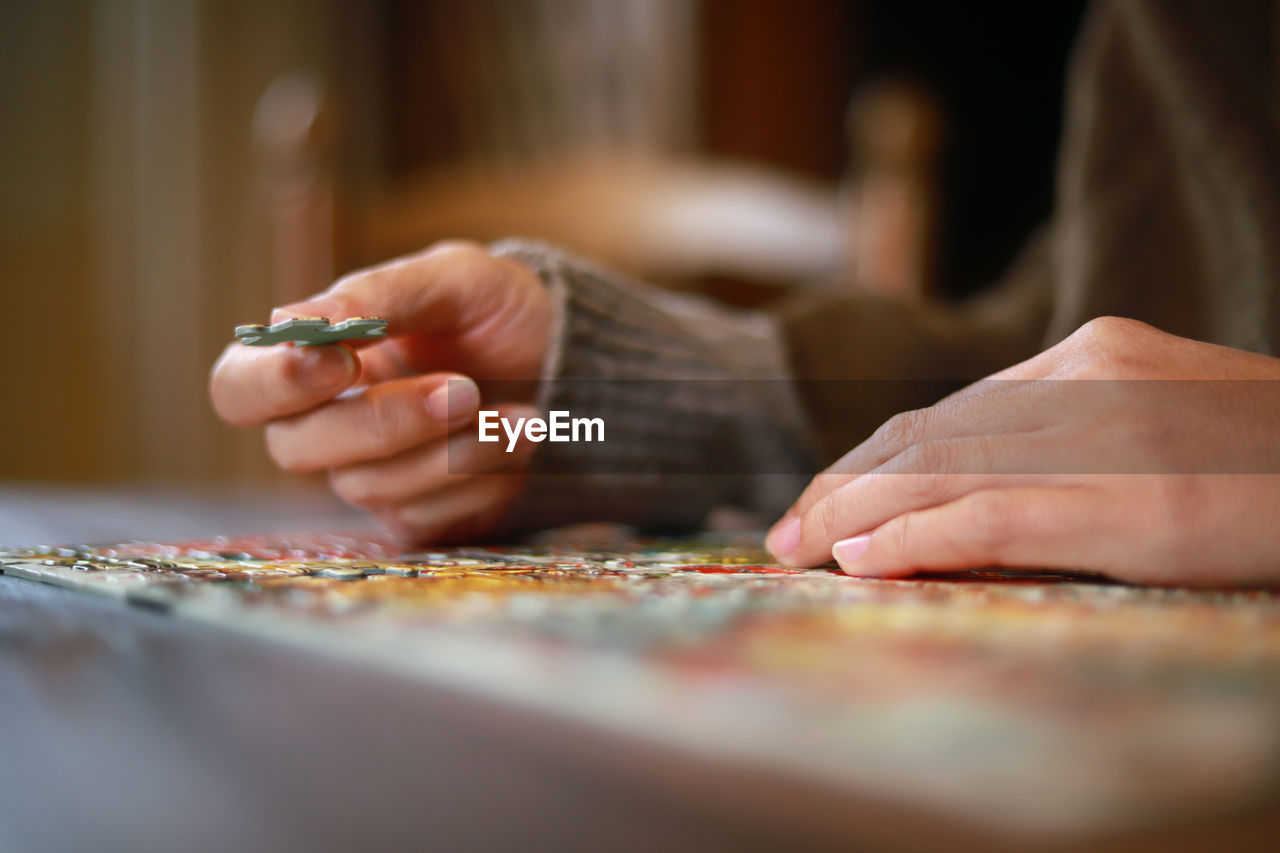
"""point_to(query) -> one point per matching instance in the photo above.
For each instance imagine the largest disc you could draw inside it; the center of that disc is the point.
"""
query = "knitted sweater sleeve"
(696, 401)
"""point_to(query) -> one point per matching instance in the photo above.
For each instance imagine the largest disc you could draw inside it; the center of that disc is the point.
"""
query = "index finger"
(993, 406)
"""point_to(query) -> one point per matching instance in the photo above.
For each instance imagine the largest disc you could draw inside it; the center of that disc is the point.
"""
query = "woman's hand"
(388, 418)
(1156, 465)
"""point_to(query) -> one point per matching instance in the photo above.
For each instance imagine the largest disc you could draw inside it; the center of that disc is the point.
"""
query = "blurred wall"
(51, 374)
(131, 236)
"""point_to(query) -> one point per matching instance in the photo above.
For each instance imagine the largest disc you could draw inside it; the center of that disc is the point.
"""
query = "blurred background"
(172, 168)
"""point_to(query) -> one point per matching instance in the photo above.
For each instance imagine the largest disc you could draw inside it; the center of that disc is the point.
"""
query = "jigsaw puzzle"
(311, 331)
(956, 692)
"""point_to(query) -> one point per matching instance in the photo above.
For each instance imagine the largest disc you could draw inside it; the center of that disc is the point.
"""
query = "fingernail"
(325, 368)
(848, 551)
(454, 402)
(784, 539)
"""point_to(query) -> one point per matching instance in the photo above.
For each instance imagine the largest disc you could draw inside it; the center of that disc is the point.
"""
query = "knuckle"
(352, 281)
(386, 420)
(903, 429)
(462, 255)
(1115, 330)
(826, 520)
(457, 246)
(374, 417)
(996, 519)
(1110, 348)
(284, 451)
(1111, 328)
(929, 457)
(929, 469)
(899, 536)
(927, 489)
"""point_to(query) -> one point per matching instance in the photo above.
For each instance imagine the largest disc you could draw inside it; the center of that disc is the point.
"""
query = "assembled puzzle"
(954, 692)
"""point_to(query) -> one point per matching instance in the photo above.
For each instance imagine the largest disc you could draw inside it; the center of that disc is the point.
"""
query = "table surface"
(131, 729)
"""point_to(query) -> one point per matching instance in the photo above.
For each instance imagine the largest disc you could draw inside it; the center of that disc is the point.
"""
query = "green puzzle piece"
(311, 331)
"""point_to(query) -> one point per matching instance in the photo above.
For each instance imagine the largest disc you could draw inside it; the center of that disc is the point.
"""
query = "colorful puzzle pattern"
(1042, 701)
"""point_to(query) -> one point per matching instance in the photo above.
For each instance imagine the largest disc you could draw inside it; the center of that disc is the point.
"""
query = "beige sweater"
(1167, 210)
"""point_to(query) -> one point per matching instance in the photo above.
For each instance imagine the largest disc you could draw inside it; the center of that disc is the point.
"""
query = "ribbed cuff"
(684, 387)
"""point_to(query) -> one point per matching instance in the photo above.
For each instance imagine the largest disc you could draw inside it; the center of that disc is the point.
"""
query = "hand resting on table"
(1122, 450)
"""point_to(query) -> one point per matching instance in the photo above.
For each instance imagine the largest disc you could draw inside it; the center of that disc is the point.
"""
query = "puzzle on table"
(956, 692)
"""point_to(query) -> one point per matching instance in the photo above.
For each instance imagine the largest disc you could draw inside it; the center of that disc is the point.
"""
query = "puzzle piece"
(311, 331)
